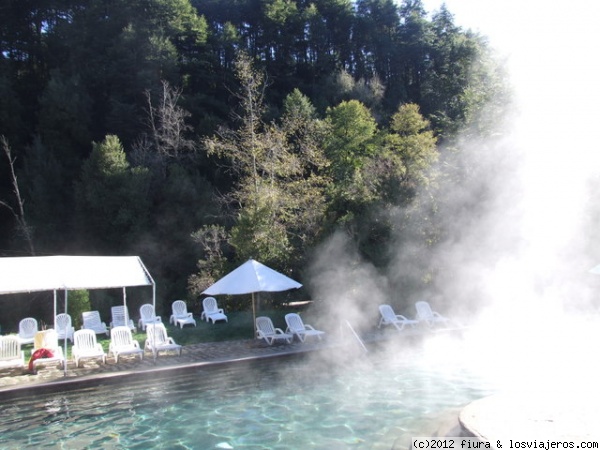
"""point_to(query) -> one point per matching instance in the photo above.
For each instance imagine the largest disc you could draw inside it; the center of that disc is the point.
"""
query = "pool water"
(371, 402)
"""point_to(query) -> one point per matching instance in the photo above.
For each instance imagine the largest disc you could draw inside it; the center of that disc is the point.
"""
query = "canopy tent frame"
(54, 273)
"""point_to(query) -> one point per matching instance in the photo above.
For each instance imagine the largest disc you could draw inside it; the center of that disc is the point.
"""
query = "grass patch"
(239, 326)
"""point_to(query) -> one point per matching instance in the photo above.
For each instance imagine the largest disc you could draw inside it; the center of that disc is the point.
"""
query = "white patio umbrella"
(250, 278)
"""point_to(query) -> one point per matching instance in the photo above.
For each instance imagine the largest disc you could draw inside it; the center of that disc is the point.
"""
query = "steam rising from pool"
(516, 266)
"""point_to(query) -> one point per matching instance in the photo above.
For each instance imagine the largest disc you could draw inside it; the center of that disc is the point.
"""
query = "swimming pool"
(293, 402)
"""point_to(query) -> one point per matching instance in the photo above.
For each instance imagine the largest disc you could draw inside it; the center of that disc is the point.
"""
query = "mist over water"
(521, 231)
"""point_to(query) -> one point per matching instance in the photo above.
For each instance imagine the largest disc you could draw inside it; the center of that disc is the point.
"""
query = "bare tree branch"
(20, 213)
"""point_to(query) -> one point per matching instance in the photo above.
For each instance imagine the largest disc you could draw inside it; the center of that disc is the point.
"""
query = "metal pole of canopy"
(126, 312)
(151, 282)
(154, 296)
(66, 331)
(55, 309)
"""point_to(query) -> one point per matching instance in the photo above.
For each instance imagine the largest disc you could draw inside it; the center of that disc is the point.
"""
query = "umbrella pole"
(253, 316)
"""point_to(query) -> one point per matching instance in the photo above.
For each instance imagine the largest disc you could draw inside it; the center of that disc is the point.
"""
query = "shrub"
(79, 301)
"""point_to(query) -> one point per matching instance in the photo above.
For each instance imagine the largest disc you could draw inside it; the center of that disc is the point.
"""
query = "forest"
(200, 133)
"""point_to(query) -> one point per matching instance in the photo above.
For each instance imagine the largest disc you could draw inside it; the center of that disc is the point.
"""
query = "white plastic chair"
(389, 317)
(11, 354)
(296, 326)
(426, 314)
(27, 329)
(92, 321)
(46, 340)
(211, 311)
(64, 327)
(122, 343)
(158, 341)
(180, 315)
(121, 318)
(86, 347)
(147, 316)
(267, 331)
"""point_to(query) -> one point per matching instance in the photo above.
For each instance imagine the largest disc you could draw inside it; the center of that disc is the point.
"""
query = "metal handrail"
(362, 344)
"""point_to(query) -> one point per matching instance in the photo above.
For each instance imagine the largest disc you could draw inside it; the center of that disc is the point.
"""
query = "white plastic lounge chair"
(265, 330)
(120, 317)
(426, 314)
(180, 315)
(296, 326)
(158, 341)
(64, 327)
(85, 346)
(11, 354)
(27, 329)
(122, 343)
(389, 317)
(46, 341)
(92, 321)
(147, 316)
(211, 311)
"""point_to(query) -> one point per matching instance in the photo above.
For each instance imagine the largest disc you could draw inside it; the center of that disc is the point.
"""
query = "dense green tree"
(112, 199)
(351, 143)
(305, 131)
(118, 50)
(10, 107)
(375, 54)
(351, 140)
(384, 170)
(338, 16)
(252, 152)
(412, 58)
(65, 108)
(45, 179)
(181, 202)
(24, 56)
(448, 88)
(212, 240)
(306, 180)
(326, 120)
(342, 86)
(181, 197)
(409, 150)
(279, 193)
(78, 303)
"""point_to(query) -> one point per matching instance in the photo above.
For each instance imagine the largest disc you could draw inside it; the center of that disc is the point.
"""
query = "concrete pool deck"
(526, 419)
(526, 416)
(201, 354)
(195, 354)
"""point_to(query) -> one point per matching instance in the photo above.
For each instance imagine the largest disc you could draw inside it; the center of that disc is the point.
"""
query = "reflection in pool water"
(281, 403)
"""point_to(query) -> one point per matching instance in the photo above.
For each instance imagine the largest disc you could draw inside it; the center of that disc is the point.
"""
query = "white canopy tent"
(54, 273)
(49, 273)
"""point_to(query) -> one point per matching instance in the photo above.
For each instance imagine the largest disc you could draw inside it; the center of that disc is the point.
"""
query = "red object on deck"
(38, 354)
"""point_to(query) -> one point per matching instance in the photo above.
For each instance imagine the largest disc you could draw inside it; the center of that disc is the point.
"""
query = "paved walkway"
(197, 354)
(192, 355)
